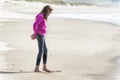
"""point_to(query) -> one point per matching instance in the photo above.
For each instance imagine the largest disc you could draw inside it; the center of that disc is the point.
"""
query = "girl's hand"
(33, 37)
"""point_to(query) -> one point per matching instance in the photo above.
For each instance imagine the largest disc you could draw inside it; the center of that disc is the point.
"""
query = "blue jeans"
(42, 50)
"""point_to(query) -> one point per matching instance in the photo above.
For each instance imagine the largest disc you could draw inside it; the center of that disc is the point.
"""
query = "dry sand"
(81, 49)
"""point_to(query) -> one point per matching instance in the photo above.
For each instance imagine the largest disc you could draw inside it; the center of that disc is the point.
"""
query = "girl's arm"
(35, 25)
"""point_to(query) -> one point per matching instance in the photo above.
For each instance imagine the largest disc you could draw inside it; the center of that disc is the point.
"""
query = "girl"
(39, 28)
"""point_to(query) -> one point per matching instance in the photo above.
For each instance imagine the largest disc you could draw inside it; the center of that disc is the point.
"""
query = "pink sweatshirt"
(39, 25)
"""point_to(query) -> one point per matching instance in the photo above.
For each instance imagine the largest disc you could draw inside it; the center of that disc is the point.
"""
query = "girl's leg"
(45, 58)
(45, 53)
(40, 40)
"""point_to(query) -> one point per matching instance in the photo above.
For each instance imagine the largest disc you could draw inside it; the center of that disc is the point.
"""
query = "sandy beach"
(81, 49)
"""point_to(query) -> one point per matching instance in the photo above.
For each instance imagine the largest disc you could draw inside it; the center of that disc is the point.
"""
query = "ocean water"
(96, 2)
(97, 10)
(109, 15)
(100, 10)
(9, 15)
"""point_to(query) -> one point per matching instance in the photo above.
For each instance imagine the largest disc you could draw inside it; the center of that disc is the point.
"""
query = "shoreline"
(90, 20)
(14, 19)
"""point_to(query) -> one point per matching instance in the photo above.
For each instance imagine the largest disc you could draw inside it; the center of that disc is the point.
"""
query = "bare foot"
(37, 69)
(46, 70)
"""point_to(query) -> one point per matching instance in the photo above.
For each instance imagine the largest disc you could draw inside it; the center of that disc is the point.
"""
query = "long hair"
(45, 11)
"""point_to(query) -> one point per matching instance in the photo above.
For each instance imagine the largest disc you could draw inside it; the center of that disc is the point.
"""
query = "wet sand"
(81, 49)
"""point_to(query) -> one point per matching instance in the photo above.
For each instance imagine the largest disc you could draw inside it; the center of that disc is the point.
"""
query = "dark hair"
(45, 11)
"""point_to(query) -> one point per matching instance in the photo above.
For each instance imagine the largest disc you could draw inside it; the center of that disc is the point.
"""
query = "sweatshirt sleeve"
(36, 23)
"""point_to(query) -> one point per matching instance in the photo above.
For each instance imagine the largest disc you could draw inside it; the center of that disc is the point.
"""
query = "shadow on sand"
(15, 72)
(19, 72)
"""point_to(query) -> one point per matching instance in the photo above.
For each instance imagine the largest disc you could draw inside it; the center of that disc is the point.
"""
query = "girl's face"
(49, 11)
